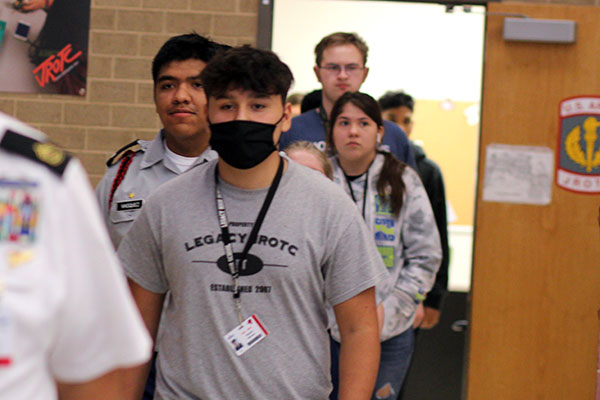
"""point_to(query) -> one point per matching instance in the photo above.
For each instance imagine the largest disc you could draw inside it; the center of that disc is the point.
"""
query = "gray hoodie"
(409, 244)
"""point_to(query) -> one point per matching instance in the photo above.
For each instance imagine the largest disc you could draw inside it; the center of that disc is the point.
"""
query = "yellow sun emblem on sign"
(587, 158)
(49, 153)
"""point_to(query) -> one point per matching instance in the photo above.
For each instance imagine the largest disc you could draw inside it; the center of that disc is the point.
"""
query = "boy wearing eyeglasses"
(341, 67)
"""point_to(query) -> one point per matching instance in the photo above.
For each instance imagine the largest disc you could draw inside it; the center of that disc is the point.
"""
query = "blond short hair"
(312, 149)
(338, 39)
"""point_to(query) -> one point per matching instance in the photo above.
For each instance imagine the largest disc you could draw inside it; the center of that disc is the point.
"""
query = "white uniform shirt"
(65, 310)
(150, 168)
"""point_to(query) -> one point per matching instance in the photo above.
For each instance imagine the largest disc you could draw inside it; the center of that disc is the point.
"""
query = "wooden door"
(536, 282)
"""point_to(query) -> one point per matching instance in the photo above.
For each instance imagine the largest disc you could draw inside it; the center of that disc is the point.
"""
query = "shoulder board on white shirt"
(44, 153)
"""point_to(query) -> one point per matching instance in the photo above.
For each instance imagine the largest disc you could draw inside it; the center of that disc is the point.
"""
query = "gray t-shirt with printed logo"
(313, 247)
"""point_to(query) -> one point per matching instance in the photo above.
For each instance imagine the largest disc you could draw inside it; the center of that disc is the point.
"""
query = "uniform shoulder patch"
(44, 153)
(121, 152)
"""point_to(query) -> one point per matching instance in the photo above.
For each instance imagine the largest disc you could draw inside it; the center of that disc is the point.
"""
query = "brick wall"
(124, 37)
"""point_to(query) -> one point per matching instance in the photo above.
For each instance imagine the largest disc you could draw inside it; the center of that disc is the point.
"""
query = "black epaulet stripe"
(111, 161)
(44, 153)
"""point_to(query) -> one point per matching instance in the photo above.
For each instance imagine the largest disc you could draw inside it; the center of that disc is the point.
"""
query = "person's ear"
(380, 133)
(366, 72)
(283, 125)
(286, 121)
(317, 73)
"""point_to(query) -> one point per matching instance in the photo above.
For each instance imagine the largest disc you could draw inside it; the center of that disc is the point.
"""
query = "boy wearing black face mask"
(252, 246)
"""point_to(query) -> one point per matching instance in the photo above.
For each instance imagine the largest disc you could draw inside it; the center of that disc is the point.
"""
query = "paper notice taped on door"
(518, 174)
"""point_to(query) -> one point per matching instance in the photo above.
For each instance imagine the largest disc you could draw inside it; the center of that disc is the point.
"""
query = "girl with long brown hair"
(396, 209)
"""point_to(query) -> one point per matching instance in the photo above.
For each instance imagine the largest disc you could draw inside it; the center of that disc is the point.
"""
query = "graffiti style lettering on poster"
(56, 66)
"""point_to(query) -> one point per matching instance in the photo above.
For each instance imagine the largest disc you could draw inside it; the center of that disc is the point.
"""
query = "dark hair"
(390, 186)
(311, 100)
(395, 100)
(185, 47)
(338, 39)
(247, 68)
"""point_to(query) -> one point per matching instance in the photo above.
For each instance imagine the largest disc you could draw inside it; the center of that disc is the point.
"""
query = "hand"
(419, 315)
(431, 318)
(31, 5)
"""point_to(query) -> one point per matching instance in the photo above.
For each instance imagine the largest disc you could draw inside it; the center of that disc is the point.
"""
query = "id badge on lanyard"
(250, 331)
(246, 335)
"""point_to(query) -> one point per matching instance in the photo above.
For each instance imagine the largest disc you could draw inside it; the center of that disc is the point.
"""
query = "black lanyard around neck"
(364, 190)
(224, 224)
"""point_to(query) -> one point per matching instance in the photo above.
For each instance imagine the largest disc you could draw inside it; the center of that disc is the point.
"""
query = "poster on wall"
(578, 150)
(44, 46)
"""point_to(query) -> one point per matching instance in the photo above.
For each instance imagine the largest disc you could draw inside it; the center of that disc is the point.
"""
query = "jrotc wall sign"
(578, 152)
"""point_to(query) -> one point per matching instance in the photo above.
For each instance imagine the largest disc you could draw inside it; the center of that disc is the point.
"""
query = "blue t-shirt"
(309, 126)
